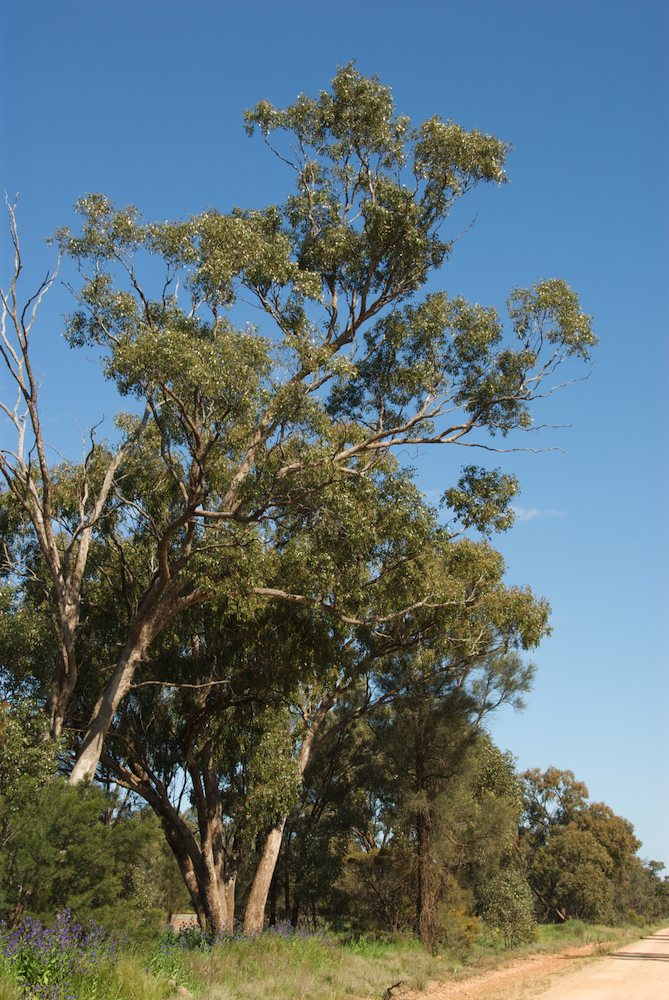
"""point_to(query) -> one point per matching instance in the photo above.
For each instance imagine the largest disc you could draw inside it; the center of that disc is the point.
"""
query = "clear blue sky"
(142, 100)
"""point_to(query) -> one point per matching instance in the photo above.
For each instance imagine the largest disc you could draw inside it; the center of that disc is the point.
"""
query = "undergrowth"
(67, 962)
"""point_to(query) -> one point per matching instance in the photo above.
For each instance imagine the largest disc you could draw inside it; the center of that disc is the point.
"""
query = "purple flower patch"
(52, 962)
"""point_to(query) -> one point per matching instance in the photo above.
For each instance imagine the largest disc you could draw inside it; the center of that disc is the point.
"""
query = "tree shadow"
(643, 956)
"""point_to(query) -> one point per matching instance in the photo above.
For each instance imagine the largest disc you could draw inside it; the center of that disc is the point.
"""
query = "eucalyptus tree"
(581, 858)
(242, 429)
(62, 532)
(239, 704)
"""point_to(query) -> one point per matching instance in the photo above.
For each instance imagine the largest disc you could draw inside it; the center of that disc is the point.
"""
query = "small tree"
(507, 905)
(68, 847)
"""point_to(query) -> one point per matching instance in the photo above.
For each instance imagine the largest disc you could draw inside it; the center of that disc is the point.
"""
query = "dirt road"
(638, 971)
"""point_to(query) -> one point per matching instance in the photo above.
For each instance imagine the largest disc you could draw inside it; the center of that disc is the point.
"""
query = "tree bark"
(229, 888)
(273, 896)
(425, 901)
(158, 608)
(89, 755)
(254, 916)
(62, 687)
(187, 870)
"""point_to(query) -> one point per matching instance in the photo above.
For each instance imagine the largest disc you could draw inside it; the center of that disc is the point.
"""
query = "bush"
(507, 906)
(458, 930)
(380, 889)
(63, 852)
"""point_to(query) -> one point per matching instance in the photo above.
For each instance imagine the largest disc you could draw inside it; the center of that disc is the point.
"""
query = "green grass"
(327, 968)
(316, 968)
(322, 967)
(127, 980)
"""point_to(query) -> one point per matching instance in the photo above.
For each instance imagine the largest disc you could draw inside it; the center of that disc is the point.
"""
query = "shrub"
(458, 930)
(507, 906)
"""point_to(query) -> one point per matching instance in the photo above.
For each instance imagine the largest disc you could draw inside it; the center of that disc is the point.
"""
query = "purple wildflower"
(54, 963)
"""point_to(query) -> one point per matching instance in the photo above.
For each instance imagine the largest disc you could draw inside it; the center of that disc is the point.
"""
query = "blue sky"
(142, 99)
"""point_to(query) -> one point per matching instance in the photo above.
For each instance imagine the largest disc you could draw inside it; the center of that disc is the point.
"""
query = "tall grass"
(326, 967)
(283, 964)
(308, 968)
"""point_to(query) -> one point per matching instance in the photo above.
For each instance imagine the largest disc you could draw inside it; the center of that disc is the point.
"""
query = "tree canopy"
(243, 568)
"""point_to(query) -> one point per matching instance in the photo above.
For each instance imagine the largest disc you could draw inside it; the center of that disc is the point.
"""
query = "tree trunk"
(209, 874)
(286, 875)
(158, 608)
(60, 695)
(211, 891)
(213, 898)
(229, 887)
(254, 917)
(183, 857)
(273, 896)
(425, 902)
(88, 758)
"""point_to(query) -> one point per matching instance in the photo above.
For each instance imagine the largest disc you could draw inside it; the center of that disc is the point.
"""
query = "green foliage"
(458, 929)
(507, 905)
(167, 962)
(481, 499)
(575, 871)
(580, 857)
(273, 779)
(66, 850)
(27, 757)
(379, 886)
(253, 549)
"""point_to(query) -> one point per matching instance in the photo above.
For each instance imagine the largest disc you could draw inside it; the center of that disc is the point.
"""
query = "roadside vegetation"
(68, 964)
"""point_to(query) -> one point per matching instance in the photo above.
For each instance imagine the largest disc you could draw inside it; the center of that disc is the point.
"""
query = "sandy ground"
(639, 971)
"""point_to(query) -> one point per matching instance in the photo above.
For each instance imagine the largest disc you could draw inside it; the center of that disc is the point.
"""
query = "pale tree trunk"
(254, 916)
(213, 897)
(190, 880)
(29, 478)
(157, 611)
(229, 887)
(89, 755)
(216, 884)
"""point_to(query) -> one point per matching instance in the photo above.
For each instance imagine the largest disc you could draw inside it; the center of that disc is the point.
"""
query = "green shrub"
(507, 906)
(458, 930)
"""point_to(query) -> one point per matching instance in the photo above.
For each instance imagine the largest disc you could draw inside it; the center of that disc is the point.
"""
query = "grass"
(296, 968)
(128, 980)
(319, 967)
(328, 968)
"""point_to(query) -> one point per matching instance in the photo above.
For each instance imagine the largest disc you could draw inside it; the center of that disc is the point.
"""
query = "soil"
(575, 972)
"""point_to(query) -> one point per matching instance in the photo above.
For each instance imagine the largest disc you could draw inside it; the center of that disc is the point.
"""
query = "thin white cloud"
(532, 513)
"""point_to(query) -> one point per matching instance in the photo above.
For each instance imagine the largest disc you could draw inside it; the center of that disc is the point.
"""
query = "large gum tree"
(236, 433)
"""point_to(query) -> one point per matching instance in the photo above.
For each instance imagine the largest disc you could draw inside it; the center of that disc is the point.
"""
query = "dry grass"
(322, 968)
(309, 969)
